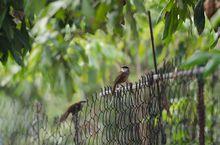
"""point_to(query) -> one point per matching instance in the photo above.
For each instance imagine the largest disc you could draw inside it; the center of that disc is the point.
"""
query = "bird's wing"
(122, 77)
(64, 116)
(117, 80)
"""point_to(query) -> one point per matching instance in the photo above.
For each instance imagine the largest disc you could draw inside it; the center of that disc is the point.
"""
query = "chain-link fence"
(163, 108)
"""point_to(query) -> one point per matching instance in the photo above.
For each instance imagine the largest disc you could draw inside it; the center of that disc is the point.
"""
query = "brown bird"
(73, 109)
(122, 77)
(166, 106)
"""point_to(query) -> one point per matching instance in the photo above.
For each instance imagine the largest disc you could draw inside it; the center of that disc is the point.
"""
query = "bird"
(166, 106)
(122, 77)
(72, 109)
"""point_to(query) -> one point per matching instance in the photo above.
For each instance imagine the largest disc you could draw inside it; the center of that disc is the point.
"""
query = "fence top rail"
(154, 77)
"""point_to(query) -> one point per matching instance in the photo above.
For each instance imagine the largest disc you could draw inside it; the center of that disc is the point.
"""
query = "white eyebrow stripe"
(124, 69)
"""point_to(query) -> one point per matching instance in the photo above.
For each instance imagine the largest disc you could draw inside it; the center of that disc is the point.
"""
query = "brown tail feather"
(64, 116)
(114, 87)
(166, 106)
(168, 113)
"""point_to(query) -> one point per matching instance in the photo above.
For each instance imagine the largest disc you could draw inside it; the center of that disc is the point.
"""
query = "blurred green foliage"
(78, 46)
(68, 49)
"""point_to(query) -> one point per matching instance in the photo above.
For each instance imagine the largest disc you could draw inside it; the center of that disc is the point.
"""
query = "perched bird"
(122, 77)
(73, 109)
(166, 106)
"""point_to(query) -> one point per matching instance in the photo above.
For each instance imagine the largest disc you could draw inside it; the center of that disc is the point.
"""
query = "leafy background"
(59, 51)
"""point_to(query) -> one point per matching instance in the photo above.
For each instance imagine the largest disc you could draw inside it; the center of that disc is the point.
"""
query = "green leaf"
(2, 16)
(167, 25)
(214, 43)
(55, 7)
(199, 17)
(215, 52)
(17, 5)
(211, 66)
(81, 52)
(216, 39)
(189, 2)
(167, 8)
(139, 5)
(171, 23)
(8, 26)
(4, 47)
(25, 39)
(197, 59)
(131, 21)
(87, 9)
(101, 14)
(33, 7)
(17, 57)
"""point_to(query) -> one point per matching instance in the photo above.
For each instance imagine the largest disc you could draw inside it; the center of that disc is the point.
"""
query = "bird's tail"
(114, 87)
(64, 116)
(166, 106)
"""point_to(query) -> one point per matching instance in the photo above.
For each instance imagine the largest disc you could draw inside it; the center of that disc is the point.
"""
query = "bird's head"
(125, 69)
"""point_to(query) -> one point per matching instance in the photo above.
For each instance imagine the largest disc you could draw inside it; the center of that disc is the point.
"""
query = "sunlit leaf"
(197, 59)
(167, 8)
(55, 6)
(101, 12)
(171, 23)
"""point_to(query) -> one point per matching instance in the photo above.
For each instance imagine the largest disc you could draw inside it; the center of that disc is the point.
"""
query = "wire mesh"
(133, 115)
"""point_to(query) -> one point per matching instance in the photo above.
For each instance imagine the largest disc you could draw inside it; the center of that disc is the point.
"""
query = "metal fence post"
(201, 109)
(75, 119)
